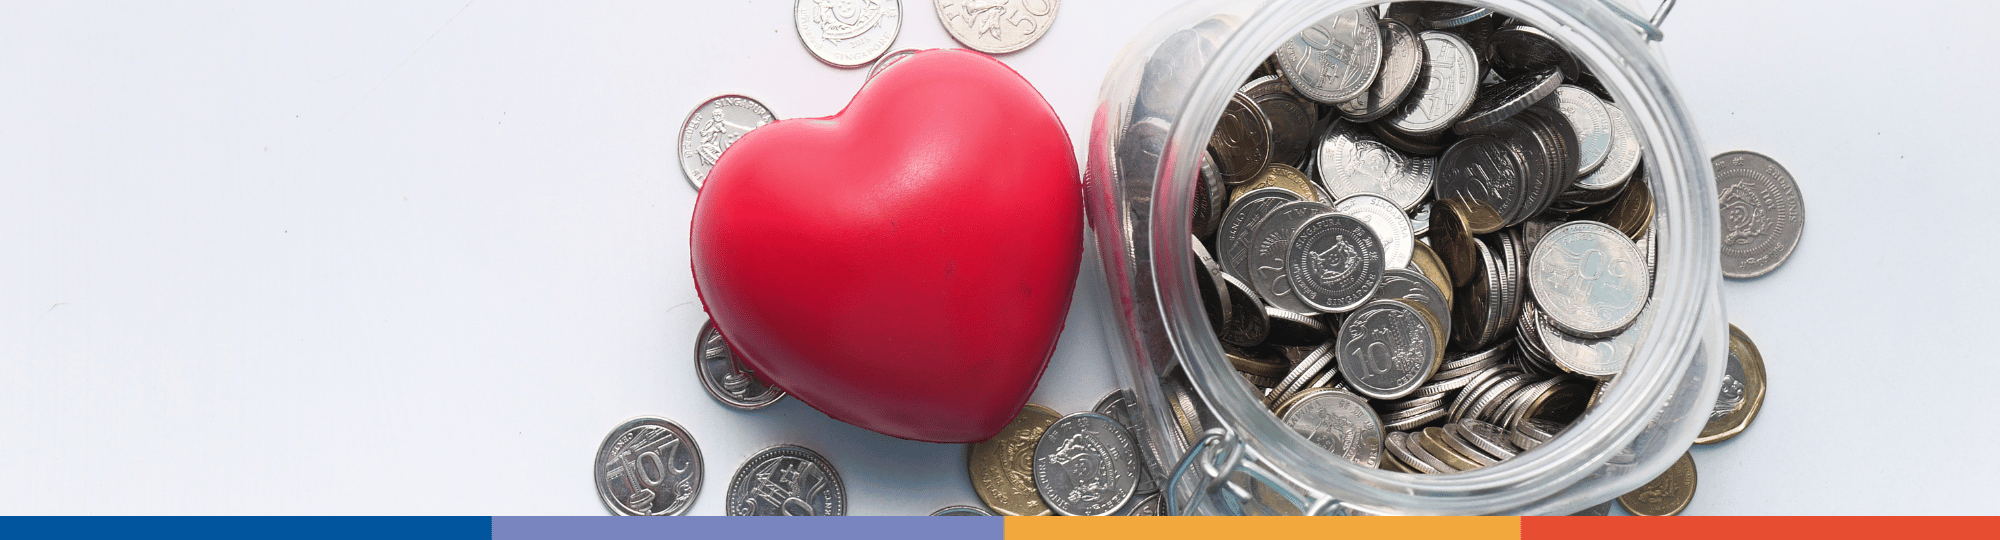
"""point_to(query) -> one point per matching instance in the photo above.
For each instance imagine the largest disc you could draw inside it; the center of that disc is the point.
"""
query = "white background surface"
(418, 257)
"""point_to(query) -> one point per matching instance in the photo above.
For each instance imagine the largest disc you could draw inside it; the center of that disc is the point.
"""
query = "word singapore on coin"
(1762, 215)
(1468, 259)
(787, 480)
(648, 466)
(997, 26)
(847, 33)
(712, 127)
(727, 380)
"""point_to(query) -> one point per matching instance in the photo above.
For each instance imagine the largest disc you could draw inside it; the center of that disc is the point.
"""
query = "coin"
(1589, 279)
(1410, 285)
(1147, 506)
(787, 480)
(1742, 391)
(1338, 422)
(1122, 406)
(1445, 88)
(847, 33)
(1269, 273)
(727, 380)
(1246, 324)
(1666, 495)
(1084, 466)
(1632, 212)
(1241, 141)
(1483, 180)
(997, 26)
(1334, 263)
(1402, 62)
(1002, 468)
(1762, 215)
(1427, 262)
(1292, 118)
(1448, 15)
(1234, 236)
(1620, 160)
(1354, 163)
(1432, 441)
(1215, 299)
(1599, 509)
(962, 510)
(1211, 197)
(1335, 59)
(1307, 369)
(648, 466)
(1391, 226)
(883, 63)
(1522, 49)
(1386, 349)
(712, 127)
(1591, 123)
(1281, 176)
(1498, 102)
(1294, 329)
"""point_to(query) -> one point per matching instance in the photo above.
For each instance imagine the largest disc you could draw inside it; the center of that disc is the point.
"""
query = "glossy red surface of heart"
(905, 265)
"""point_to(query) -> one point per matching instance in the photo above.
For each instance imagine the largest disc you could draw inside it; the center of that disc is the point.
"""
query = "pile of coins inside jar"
(1424, 237)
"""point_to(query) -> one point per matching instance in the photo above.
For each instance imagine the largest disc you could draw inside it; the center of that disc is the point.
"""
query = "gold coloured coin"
(1742, 391)
(1428, 264)
(1664, 496)
(1432, 439)
(1003, 467)
(1632, 212)
(1451, 240)
(1283, 177)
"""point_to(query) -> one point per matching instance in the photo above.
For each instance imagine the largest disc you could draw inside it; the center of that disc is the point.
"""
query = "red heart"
(905, 265)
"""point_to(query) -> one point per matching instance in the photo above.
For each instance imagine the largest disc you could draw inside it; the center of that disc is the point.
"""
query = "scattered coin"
(1762, 215)
(712, 127)
(648, 466)
(1002, 468)
(1122, 406)
(1387, 349)
(962, 510)
(1666, 495)
(1084, 465)
(847, 33)
(1333, 262)
(1389, 223)
(1241, 142)
(1742, 391)
(1502, 101)
(1402, 62)
(1353, 163)
(1586, 114)
(727, 380)
(1339, 422)
(787, 480)
(1445, 89)
(1589, 278)
(997, 26)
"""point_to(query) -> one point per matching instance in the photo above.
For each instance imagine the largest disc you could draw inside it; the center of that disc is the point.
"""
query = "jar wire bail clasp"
(1214, 456)
(1647, 25)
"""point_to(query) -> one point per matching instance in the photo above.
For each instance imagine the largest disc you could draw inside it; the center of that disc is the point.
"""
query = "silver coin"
(1589, 278)
(1292, 119)
(649, 466)
(1308, 368)
(1762, 214)
(890, 60)
(1424, 456)
(1390, 224)
(1397, 444)
(712, 127)
(1445, 89)
(1234, 237)
(1620, 161)
(1211, 197)
(727, 380)
(1122, 406)
(1591, 123)
(997, 26)
(1420, 220)
(1340, 422)
(1413, 286)
(1294, 329)
(1246, 324)
(1147, 506)
(1386, 349)
(1594, 357)
(1241, 141)
(847, 33)
(1084, 465)
(1353, 163)
(1215, 300)
(1484, 180)
(1335, 59)
(786, 480)
(1269, 275)
(1517, 50)
(1402, 63)
(962, 510)
(1499, 102)
(1449, 15)
(1334, 263)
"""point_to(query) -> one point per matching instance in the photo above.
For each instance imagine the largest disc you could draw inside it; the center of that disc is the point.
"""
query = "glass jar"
(1155, 111)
